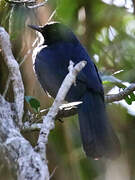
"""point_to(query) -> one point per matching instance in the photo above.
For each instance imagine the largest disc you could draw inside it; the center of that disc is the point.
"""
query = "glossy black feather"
(51, 66)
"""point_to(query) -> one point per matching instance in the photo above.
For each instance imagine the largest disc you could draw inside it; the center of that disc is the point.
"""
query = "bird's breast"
(51, 68)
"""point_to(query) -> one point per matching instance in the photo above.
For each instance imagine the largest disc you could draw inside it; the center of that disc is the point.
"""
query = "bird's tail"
(97, 134)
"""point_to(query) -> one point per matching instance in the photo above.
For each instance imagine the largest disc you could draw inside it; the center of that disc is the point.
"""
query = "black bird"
(51, 65)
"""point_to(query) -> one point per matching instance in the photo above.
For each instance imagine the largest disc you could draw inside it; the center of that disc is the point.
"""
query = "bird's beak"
(35, 27)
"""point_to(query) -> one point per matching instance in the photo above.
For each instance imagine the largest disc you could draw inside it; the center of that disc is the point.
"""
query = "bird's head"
(55, 32)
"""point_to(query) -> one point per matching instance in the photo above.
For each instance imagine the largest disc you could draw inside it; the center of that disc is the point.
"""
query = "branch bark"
(14, 73)
(108, 99)
(31, 4)
(20, 155)
(121, 95)
(48, 120)
(28, 163)
(72, 110)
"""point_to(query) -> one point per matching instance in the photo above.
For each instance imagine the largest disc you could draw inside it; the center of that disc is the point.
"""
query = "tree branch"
(48, 120)
(121, 95)
(14, 73)
(31, 4)
(19, 154)
(72, 110)
(37, 5)
(17, 150)
(66, 112)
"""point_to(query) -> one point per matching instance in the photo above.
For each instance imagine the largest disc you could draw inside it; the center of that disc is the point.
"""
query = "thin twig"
(48, 120)
(51, 16)
(37, 5)
(31, 4)
(29, 51)
(20, 2)
(121, 95)
(53, 172)
(67, 112)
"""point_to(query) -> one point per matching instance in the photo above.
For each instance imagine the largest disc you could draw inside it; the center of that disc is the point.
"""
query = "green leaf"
(132, 96)
(128, 100)
(33, 102)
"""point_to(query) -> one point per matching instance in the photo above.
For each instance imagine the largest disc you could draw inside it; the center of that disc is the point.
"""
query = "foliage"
(33, 102)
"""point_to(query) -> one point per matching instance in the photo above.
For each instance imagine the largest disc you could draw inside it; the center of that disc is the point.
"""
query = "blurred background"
(107, 30)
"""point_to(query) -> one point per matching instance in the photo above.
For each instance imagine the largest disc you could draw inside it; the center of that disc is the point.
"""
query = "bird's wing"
(89, 74)
(93, 82)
